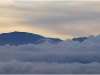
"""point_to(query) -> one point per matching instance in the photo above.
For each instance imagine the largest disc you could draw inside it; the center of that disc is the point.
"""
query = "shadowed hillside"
(19, 38)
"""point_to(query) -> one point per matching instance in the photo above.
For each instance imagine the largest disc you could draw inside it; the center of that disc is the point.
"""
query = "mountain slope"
(20, 38)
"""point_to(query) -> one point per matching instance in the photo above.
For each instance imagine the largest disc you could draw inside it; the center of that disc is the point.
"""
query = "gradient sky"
(59, 19)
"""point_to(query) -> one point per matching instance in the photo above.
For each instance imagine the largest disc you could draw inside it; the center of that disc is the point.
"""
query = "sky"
(58, 19)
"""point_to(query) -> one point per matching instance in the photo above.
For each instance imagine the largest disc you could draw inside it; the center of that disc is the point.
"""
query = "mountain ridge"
(20, 38)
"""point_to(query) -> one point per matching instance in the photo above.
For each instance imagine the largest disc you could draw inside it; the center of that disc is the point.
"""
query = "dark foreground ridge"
(20, 38)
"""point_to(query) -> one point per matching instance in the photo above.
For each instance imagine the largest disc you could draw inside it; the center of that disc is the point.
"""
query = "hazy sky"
(62, 19)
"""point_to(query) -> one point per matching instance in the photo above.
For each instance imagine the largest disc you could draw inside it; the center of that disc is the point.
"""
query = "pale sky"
(58, 19)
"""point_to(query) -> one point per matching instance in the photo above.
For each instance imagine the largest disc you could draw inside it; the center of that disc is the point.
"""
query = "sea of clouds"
(66, 57)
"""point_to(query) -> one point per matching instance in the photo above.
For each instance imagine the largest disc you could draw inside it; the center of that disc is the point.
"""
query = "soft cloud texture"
(66, 57)
(17, 67)
(64, 19)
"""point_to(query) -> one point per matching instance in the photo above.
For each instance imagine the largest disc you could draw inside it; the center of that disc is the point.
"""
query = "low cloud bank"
(17, 67)
(65, 57)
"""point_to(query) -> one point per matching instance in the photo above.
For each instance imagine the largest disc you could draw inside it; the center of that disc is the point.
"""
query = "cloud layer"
(66, 57)
(17, 67)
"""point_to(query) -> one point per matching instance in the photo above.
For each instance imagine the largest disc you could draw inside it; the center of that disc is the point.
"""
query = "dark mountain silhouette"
(20, 38)
(80, 39)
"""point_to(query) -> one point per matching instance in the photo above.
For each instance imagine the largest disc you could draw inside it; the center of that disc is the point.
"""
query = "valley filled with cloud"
(66, 57)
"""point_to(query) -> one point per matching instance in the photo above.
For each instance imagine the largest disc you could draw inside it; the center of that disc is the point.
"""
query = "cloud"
(66, 57)
(17, 67)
